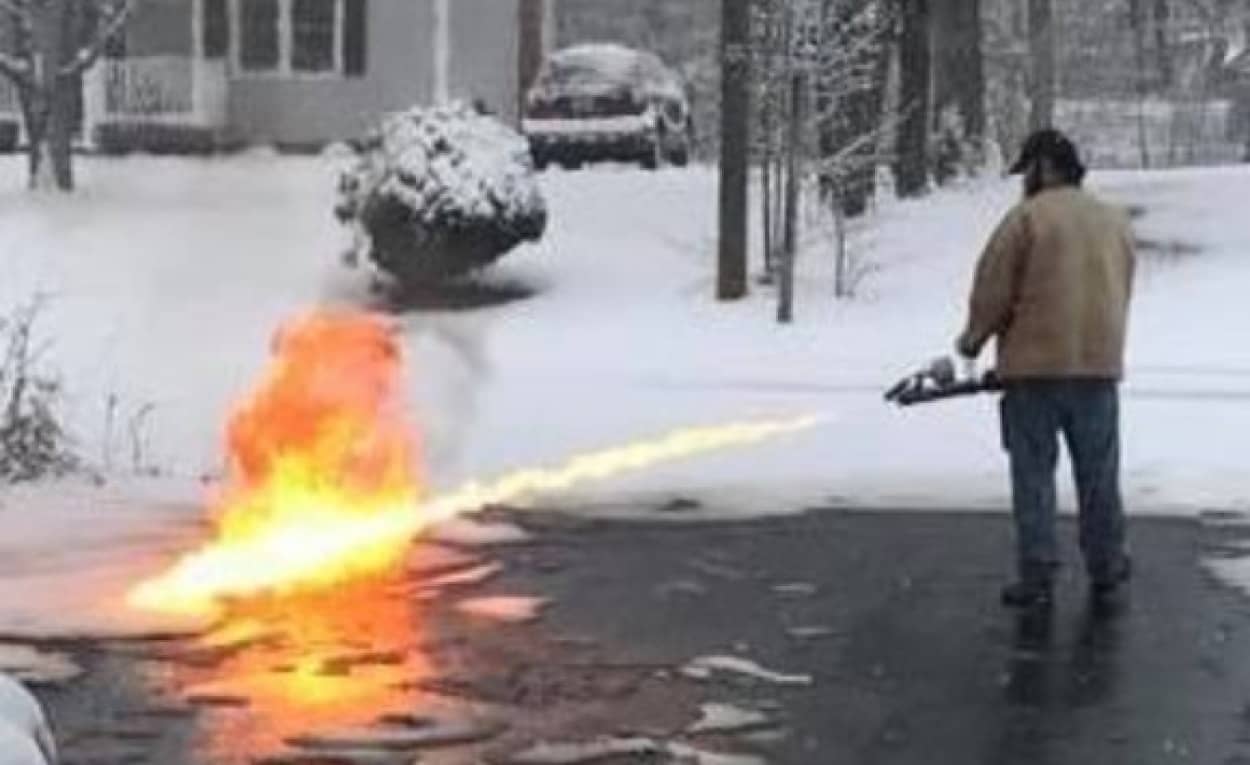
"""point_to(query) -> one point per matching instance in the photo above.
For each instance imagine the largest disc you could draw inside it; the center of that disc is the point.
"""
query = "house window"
(313, 34)
(284, 37)
(260, 47)
(216, 29)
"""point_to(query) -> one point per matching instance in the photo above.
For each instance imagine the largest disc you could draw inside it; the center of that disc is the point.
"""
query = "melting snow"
(604, 749)
(465, 577)
(466, 532)
(30, 665)
(431, 734)
(705, 667)
(514, 609)
(727, 718)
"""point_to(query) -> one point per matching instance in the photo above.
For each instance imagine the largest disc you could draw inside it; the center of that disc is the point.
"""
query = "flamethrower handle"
(911, 390)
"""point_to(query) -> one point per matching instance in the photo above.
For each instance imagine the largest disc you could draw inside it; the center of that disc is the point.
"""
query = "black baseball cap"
(1053, 145)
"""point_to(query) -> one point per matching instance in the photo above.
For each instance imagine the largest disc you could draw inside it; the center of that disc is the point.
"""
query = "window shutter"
(355, 37)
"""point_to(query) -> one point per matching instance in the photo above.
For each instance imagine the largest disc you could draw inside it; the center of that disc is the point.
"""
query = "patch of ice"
(347, 756)
(431, 560)
(686, 753)
(605, 748)
(795, 589)
(705, 667)
(464, 532)
(1233, 572)
(578, 753)
(513, 609)
(30, 665)
(465, 577)
(811, 632)
(727, 718)
(433, 734)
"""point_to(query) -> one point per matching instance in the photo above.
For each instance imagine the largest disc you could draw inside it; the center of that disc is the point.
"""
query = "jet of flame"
(322, 485)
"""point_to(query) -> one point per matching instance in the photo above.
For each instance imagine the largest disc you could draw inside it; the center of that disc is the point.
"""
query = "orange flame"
(323, 486)
(320, 446)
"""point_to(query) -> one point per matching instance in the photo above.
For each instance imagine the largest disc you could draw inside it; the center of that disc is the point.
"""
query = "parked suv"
(605, 101)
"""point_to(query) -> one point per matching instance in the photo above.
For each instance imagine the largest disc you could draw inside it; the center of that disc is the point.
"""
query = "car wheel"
(680, 155)
(653, 156)
(650, 160)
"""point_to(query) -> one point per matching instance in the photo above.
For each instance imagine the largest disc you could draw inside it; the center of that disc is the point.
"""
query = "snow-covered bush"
(439, 192)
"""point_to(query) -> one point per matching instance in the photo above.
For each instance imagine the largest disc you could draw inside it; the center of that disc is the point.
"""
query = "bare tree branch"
(15, 69)
(114, 15)
(13, 65)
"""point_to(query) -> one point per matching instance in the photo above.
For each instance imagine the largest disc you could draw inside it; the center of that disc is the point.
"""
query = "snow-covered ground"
(169, 276)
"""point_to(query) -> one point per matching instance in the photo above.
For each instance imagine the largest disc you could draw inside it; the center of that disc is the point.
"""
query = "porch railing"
(157, 89)
(9, 108)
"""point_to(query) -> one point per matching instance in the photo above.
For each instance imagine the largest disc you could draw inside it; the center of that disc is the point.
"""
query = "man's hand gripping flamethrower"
(940, 380)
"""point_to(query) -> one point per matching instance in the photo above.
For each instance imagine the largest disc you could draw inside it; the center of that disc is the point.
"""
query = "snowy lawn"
(169, 275)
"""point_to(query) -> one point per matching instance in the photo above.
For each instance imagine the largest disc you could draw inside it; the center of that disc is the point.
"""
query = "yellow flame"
(321, 544)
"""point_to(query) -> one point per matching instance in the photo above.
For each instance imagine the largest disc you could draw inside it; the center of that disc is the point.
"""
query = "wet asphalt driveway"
(832, 637)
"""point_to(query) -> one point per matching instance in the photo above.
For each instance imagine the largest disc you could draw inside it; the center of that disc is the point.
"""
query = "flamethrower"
(940, 380)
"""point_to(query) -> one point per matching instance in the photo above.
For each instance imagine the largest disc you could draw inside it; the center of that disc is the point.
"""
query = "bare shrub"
(33, 441)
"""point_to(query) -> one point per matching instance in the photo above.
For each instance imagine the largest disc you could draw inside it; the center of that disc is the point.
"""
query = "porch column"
(94, 100)
(208, 76)
(442, 51)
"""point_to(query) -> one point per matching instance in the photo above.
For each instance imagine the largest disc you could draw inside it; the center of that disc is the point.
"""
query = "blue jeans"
(1087, 413)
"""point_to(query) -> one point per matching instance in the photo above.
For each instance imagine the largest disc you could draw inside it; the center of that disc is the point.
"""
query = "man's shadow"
(1083, 671)
(1047, 679)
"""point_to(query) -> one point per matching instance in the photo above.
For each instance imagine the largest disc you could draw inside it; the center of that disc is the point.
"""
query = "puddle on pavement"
(279, 670)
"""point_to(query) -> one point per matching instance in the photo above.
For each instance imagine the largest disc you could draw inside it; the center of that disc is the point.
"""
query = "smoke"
(452, 370)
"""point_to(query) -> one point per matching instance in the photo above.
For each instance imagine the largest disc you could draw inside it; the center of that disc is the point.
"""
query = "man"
(1053, 288)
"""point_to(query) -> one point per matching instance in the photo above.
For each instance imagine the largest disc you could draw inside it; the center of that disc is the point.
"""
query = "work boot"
(1028, 594)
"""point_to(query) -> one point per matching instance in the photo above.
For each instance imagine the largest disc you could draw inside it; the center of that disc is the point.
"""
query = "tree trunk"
(531, 47)
(911, 170)
(50, 127)
(35, 115)
(731, 282)
(1137, 20)
(50, 103)
(794, 149)
(1042, 51)
(61, 130)
(1163, 50)
(767, 216)
(960, 71)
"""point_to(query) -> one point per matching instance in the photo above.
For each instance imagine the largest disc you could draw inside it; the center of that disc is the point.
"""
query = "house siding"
(309, 110)
(485, 50)
(160, 28)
